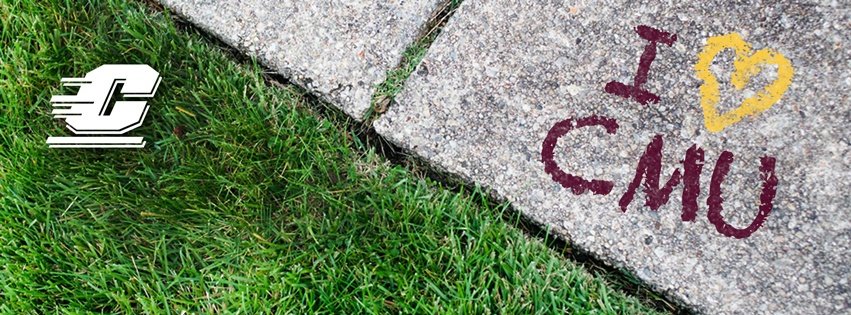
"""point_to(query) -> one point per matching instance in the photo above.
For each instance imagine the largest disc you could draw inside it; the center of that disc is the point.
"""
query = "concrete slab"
(339, 50)
(513, 96)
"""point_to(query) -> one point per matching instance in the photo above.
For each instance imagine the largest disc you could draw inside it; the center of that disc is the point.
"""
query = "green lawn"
(245, 199)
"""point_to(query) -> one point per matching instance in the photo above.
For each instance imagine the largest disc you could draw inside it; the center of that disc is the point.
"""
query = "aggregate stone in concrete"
(505, 72)
(337, 49)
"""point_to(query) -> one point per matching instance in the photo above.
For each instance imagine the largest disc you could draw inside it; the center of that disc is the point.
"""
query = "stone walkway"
(699, 145)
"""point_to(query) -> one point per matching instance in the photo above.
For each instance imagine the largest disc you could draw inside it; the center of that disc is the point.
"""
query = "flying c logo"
(93, 114)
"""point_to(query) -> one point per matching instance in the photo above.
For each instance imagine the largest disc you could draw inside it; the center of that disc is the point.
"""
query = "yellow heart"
(746, 66)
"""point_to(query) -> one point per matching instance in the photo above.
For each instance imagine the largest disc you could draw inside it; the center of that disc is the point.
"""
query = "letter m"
(649, 170)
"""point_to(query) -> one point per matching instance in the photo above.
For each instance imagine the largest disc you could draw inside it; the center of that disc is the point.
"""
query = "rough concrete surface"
(504, 72)
(337, 49)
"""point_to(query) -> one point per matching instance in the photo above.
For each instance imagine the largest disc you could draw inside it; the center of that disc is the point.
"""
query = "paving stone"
(504, 73)
(337, 49)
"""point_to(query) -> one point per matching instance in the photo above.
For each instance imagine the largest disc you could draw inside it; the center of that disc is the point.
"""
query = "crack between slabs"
(385, 92)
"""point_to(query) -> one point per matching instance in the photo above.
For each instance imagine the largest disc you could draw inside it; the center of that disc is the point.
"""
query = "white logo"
(94, 117)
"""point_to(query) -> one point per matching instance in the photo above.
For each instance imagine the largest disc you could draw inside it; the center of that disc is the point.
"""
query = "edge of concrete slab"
(353, 92)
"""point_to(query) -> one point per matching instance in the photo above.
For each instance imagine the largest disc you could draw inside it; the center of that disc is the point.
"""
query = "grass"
(243, 201)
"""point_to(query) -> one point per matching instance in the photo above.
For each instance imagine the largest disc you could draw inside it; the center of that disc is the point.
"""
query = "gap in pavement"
(366, 138)
(385, 93)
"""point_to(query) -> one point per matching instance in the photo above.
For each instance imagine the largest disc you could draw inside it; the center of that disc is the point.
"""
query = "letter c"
(575, 183)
